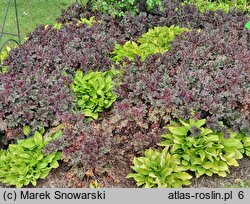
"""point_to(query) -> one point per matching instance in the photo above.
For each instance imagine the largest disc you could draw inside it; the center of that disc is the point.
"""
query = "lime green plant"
(159, 169)
(245, 140)
(248, 25)
(3, 55)
(226, 6)
(57, 26)
(89, 21)
(94, 91)
(156, 40)
(201, 149)
(24, 163)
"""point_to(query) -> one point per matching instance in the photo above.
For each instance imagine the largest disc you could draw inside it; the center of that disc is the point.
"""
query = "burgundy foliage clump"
(34, 98)
(205, 73)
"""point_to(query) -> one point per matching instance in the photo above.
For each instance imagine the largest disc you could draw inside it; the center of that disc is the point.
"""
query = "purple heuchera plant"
(33, 98)
(204, 72)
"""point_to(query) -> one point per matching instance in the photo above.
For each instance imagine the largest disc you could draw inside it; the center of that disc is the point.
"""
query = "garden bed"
(162, 87)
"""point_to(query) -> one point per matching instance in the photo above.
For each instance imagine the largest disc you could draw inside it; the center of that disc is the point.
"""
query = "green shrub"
(118, 8)
(24, 162)
(94, 91)
(115, 8)
(159, 169)
(156, 40)
(201, 149)
(226, 6)
(151, 4)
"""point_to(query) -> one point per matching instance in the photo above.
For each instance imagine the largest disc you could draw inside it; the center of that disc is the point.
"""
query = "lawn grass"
(31, 13)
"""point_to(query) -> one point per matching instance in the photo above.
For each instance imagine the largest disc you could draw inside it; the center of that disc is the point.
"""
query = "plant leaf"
(26, 130)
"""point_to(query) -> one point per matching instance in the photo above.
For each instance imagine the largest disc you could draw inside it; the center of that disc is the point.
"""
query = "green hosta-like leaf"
(178, 130)
(159, 169)
(200, 123)
(54, 164)
(24, 162)
(202, 150)
(206, 131)
(94, 91)
(233, 143)
(56, 135)
(187, 125)
(38, 139)
(232, 162)
(184, 176)
(156, 40)
(245, 140)
(29, 144)
(26, 130)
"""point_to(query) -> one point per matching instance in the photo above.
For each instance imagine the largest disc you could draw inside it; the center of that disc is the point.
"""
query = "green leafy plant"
(201, 149)
(94, 91)
(248, 25)
(156, 40)
(115, 8)
(159, 169)
(118, 8)
(245, 140)
(151, 4)
(24, 162)
(226, 6)
(3, 55)
(89, 21)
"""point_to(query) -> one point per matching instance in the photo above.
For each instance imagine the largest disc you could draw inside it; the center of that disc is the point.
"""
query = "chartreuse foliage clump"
(226, 6)
(201, 149)
(245, 140)
(86, 21)
(159, 169)
(24, 163)
(3, 55)
(156, 40)
(189, 146)
(94, 91)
